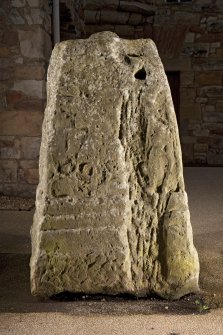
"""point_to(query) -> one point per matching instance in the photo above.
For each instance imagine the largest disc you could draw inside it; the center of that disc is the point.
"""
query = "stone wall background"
(25, 48)
(189, 37)
(72, 19)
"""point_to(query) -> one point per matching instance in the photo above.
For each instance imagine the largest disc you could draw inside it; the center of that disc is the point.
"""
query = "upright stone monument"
(111, 209)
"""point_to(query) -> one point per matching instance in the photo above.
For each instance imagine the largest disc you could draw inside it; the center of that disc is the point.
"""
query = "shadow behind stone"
(15, 296)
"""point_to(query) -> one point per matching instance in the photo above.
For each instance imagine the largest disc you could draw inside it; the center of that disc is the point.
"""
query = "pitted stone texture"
(111, 211)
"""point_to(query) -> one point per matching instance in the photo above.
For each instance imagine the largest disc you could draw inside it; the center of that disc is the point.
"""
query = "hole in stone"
(177, 188)
(90, 173)
(127, 60)
(100, 201)
(159, 189)
(81, 167)
(104, 175)
(141, 74)
(133, 55)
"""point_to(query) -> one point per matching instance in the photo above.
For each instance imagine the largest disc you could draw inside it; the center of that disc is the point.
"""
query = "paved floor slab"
(48, 323)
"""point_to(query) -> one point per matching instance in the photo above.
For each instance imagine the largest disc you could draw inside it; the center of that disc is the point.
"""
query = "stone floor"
(20, 313)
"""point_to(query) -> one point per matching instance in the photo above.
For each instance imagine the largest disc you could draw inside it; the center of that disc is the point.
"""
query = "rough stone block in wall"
(208, 78)
(10, 38)
(16, 17)
(219, 106)
(28, 172)
(29, 72)
(213, 159)
(18, 3)
(30, 147)
(25, 190)
(35, 3)
(35, 44)
(95, 4)
(191, 111)
(4, 52)
(188, 153)
(8, 171)
(91, 29)
(31, 3)
(187, 79)
(111, 212)
(114, 17)
(9, 147)
(30, 88)
(211, 91)
(21, 123)
(126, 30)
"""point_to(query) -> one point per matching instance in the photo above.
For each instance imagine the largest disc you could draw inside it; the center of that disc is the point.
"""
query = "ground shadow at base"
(15, 297)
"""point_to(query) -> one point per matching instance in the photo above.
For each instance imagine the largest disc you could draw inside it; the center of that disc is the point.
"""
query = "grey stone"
(8, 171)
(136, 6)
(34, 15)
(35, 3)
(95, 4)
(32, 88)
(111, 209)
(18, 3)
(215, 27)
(22, 190)
(37, 15)
(9, 147)
(16, 17)
(35, 44)
(219, 106)
(211, 91)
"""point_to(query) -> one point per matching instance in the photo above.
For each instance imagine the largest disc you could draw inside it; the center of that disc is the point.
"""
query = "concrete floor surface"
(20, 313)
(51, 324)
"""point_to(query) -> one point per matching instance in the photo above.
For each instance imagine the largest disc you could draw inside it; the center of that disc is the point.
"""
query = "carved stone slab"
(111, 210)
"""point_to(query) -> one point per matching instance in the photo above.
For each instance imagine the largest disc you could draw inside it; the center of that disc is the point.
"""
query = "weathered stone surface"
(111, 211)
